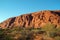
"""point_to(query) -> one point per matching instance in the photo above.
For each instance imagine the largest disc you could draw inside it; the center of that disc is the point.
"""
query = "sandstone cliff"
(35, 19)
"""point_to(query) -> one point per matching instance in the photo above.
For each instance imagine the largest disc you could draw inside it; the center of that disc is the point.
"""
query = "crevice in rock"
(11, 21)
(49, 19)
(58, 13)
(24, 24)
(59, 21)
(30, 19)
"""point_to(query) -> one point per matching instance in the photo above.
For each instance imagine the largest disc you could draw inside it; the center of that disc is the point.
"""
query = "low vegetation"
(48, 32)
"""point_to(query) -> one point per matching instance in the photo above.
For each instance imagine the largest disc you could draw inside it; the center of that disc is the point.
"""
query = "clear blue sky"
(11, 8)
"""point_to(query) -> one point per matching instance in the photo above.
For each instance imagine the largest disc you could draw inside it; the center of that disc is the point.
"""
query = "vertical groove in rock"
(12, 21)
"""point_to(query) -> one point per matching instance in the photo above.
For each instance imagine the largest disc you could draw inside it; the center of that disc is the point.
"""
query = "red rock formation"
(36, 19)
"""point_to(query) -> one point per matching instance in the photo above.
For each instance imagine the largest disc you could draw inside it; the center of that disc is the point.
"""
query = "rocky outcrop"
(35, 19)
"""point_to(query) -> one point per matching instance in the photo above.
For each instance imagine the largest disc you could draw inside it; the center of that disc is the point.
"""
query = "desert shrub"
(48, 27)
(50, 30)
(1, 34)
(8, 37)
(4, 36)
(57, 38)
(52, 34)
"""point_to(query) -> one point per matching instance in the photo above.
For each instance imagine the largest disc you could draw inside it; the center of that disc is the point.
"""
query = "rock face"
(36, 19)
